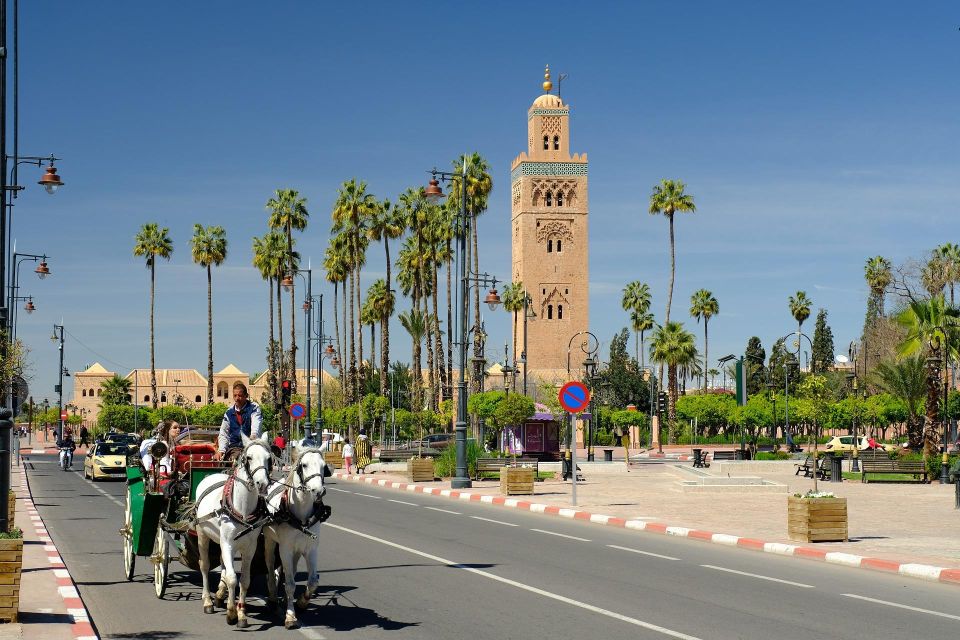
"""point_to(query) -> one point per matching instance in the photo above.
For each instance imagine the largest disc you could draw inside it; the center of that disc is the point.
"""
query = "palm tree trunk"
(336, 320)
(385, 327)
(672, 403)
(449, 314)
(209, 335)
(515, 336)
(477, 378)
(153, 369)
(362, 376)
(281, 356)
(706, 359)
(344, 361)
(930, 435)
(352, 372)
(431, 375)
(293, 312)
(438, 335)
(272, 351)
(673, 269)
(643, 355)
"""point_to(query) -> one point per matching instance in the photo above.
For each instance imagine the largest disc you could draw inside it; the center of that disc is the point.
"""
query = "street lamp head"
(335, 362)
(492, 299)
(43, 270)
(29, 308)
(433, 192)
(50, 180)
(287, 282)
(330, 350)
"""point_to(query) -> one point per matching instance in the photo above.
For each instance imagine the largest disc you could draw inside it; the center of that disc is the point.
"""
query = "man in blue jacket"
(243, 417)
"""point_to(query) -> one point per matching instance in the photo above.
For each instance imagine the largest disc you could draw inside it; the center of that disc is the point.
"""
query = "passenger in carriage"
(167, 432)
(243, 417)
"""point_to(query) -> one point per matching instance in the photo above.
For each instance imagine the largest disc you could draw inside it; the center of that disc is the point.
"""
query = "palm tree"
(641, 323)
(949, 255)
(209, 248)
(800, 308)
(668, 198)
(415, 325)
(385, 225)
(906, 379)
(934, 275)
(636, 300)
(381, 301)
(288, 211)
(336, 274)
(932, 328)
(514, 298)
(704, 305)
(264, 262)
(116, 390)
(675, 347)
(153, 242)
(878, 275)
(277, 257)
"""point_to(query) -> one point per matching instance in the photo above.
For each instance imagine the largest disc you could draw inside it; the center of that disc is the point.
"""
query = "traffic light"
(285, 393)
(662, 402)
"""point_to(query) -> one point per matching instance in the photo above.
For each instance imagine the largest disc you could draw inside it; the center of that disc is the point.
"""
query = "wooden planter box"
(516, 480)
(817, 519)
(11, 561)
(420, 469)
(334, 459)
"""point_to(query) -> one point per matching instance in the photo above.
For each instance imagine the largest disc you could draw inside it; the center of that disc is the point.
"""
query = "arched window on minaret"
(549, 246)
(558, 245)
(556, 143)
(559, 198)
(559, 312)
(546, 143)
(549, 198)
(549, 312)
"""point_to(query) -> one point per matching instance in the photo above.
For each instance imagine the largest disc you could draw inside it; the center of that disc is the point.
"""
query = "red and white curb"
(81, 627)
(908, 569)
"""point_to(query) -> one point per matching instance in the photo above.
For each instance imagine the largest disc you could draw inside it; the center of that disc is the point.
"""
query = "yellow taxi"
(106, 460)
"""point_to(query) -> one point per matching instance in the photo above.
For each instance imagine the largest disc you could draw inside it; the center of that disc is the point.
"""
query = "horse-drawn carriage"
(208, 511)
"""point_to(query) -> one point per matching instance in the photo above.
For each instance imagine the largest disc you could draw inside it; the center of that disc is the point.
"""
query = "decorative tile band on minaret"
(549, 210)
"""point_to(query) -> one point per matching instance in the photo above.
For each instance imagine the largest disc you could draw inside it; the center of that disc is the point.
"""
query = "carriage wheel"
(161, 562)
(129, 558)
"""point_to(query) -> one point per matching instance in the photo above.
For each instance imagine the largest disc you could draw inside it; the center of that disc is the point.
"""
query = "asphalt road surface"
(399, 565)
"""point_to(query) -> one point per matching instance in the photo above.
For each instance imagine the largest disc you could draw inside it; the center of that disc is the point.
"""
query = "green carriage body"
(146, 507)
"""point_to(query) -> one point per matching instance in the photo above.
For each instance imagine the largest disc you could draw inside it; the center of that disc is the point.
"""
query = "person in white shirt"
(347, 455)
(167, 432)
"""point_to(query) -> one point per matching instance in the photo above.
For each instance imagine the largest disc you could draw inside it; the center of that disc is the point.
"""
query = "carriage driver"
(243, 417)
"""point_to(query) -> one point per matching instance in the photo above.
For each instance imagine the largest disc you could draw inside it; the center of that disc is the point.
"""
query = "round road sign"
(297, 411)
(574, 396)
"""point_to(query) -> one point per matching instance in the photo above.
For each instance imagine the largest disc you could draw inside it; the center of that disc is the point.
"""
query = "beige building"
(549, 207)
(174, 386)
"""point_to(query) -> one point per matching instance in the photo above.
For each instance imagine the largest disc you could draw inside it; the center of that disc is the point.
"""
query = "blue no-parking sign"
(574, 396)
(297, 411)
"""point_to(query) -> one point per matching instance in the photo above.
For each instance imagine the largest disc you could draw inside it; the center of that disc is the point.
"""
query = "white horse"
(296, 504)
(230, 513)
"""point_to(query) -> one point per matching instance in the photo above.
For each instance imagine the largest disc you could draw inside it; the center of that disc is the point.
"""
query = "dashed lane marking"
(525, 587)
(340, 490)
(560, 535)
(506, 524)
(759, 577)
(454, 513)
(367, 495)
(412, 504)
(643, 553)
(903, 606)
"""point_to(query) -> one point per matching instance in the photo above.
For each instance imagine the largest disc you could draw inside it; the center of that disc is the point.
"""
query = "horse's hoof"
(232, 617)
(242, 623)
(291, 624)
(208, 609)
(300, 603)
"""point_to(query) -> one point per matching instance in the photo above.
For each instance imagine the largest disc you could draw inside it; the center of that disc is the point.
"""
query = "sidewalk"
(906, 528)
(50, 607)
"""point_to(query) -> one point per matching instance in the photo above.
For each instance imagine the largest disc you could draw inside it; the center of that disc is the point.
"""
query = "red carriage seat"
(195, 455)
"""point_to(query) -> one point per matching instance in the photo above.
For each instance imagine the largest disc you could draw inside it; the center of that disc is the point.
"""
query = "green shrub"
(14, 533)
(445, 465)
(773, 455)
(604, 439)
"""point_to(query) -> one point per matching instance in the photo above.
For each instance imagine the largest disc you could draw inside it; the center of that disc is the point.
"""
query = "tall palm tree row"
(209, 249)
(704, 306)
(288, 213)
(152, 242)
(675, 347)
(636, 301)
(668, 199)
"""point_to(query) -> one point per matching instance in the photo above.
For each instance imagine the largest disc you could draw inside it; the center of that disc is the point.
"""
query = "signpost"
(574, 397)
(298, 411)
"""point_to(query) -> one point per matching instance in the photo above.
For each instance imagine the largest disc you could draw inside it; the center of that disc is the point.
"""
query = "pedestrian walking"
(347, 455)
(84, 437)
(364, 451)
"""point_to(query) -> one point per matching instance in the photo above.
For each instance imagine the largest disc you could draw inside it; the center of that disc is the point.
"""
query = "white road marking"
(313, 634)
(755, 575)
(367, 495)
(412, 504)
(519, 585)
(560, 535)
(902, 606)
(455, 513)
(507, 524)
(340, 490)
(645, 553)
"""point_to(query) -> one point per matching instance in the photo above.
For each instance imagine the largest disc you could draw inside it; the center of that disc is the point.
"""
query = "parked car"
(845, 443)
(106, 460)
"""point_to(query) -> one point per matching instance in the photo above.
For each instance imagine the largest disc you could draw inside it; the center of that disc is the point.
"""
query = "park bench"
(808, 467)
(727, 454)
(402, 455)
(494, 465)
(916, 468)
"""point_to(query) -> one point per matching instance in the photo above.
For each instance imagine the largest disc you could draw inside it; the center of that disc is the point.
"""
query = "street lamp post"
(528, 313)
(945, 458)
(58, 336)
(786, 380)
(589, 345)
(434, 194)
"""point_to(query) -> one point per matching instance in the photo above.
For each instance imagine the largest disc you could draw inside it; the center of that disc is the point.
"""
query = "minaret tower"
(549, 208)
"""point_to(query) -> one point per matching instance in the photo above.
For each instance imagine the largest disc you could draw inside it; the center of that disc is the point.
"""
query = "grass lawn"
(881, 477)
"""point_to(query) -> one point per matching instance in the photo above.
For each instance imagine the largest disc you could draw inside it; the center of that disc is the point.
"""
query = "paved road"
(412, 566)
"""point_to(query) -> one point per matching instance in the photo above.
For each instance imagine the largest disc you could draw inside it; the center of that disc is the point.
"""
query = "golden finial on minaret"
(547, 85)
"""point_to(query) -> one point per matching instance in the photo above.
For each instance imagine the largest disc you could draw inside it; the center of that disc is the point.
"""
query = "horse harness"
(320, 513)
(251, 521)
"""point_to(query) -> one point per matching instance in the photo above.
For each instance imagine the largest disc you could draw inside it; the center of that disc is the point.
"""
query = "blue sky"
(812, 135)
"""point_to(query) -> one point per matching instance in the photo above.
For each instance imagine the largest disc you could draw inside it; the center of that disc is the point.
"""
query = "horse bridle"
(244, 463)
(305, 480)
